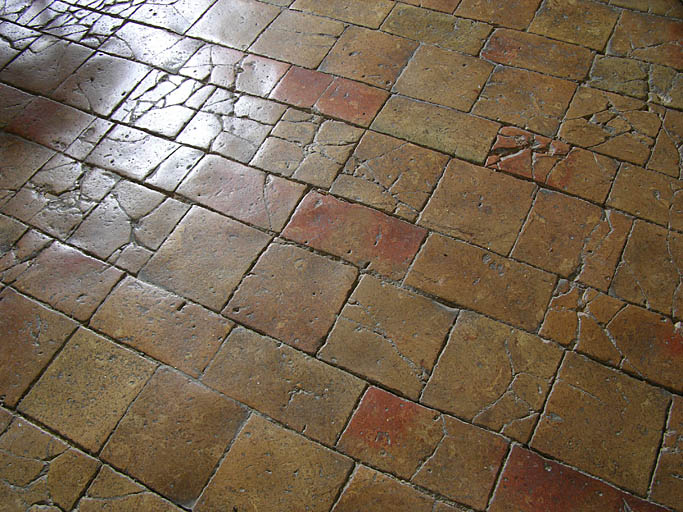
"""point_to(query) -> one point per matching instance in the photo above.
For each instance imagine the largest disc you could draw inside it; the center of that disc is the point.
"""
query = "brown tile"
(443, 30)
(611, 124)
(464, 465)
(649, 271)
(369, 56)
(581, 22)
(177, 333)
(356, 233)
(390, 174)
(454, 80)
(530, 483)
(112, 491)
(664, 7)
(20, 160)
(623, 76)
(666, 156)
(450, 131)
(174, 435)
(483, 281)
(301, 87)
(536, 53)
(351, 101)
(372, 491)
(478, 205)
(447, 6)
(286, 472)
(666, 486)
(603, 422)
(242, 192)
(499, 12)
(368, 13)
(186, 262)
(389, 335)
(526, 99)
(68, 280)
(648, 38)
(493, 375)
(36, 334)
(392, 434)
(10, 231)
(648, 195)
(87, 388)
(292, 295)
(235, 23)
(665, 86)
(21, 255)
(299, 38)
(37, 468)
(299, 391)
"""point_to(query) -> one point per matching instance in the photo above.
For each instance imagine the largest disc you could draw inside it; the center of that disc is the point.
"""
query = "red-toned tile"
(301, 87)
(351, 101)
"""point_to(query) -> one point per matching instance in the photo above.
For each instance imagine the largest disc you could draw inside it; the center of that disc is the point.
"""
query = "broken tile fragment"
(175, 15)
(75, 24)
(666, 487)
(667, 156)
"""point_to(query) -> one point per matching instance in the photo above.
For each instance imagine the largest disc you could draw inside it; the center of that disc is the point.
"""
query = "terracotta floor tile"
(368, 13)
(666, 155)
(499, 12)
(447, 6)
(20, 160)
(351, 101)
(665, 487)
(301, 87)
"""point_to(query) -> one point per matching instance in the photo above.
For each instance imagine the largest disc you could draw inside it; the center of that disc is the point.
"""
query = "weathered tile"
(648, 38)
(292, 295)
(464, 35)
(123, 8)
(450, 131)
(36, 333)
(611, 124)
(478, 205)
(372, 491)
(68, 280)
(493, 375)
(19, 160)
(623, 76)
(368, 13)
(530, 483)
(603, 422)
(483, 281)
(664, 7)
(447, 6)
(12, 103)
(259, 75)
(186, 262)
(88, 139)
(454, 80)
(214, 64)
(20, 256)
(369, 56)
(526, 99)
(10, 231)
(356, 233)
(389, 335)
(183, 335)
(87, 388)
(286, 472)
(38, 468)
(499, 12)
(175, 15)
(529, 51)
(649, 271)
(301, 392)
(15, 38)
(299, 38)
(174, 435)
(580, 22)
(234, 23)
(667, 154)
(665, 86)
(666, 486)
(390, 174)
(351, 101)
(75, 24)
(301, 87)
(171, 172)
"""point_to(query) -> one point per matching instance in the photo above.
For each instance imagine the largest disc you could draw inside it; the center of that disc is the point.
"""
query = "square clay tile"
(368, 13)
(351, 101)
(499, 12)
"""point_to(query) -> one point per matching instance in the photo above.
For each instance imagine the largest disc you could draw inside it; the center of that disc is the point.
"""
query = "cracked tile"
(351, 101)
(367, 13)
(12, 103)
(20, 256)
(13, 40)
(291, 295)
(499, 12)
(666, 487)
(13, 9)
(663, 7)
(299, 391)
(175, 15)
(171, 171)
(447, 6)
(287, 472)
(10, 231)
(603, 422)
(122, 8)
(666, 86)
(19, 159)
(301, 87)
(214, 64)
(88, 139)
(493, 375)
(667, 156)
(622, 76)
(388, 335)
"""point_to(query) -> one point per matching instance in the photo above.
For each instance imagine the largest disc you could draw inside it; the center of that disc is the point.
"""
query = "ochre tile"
(356, 233)
(530, 483)
(369, 56)
(526, 99)
(36, 333)
(666, 155)
(177, 333)
(389, 335)
(446, 130)
(368, 13)
(22, 254)
(603, 422)
(499, 12)
(351, 101)
(478, 205)
(623, 76)
(663, 7)
(493, 375)
(285, 472)
(444, 77)
(87, 388)
(666, 486)
(301, 87)
(447, 6)
(293, 295)
(174, 435)
(666, 86)
(483, 281)
(186, 262)
(301, 392)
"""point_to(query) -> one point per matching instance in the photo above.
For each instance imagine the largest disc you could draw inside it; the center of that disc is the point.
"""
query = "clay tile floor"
(341, 255)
